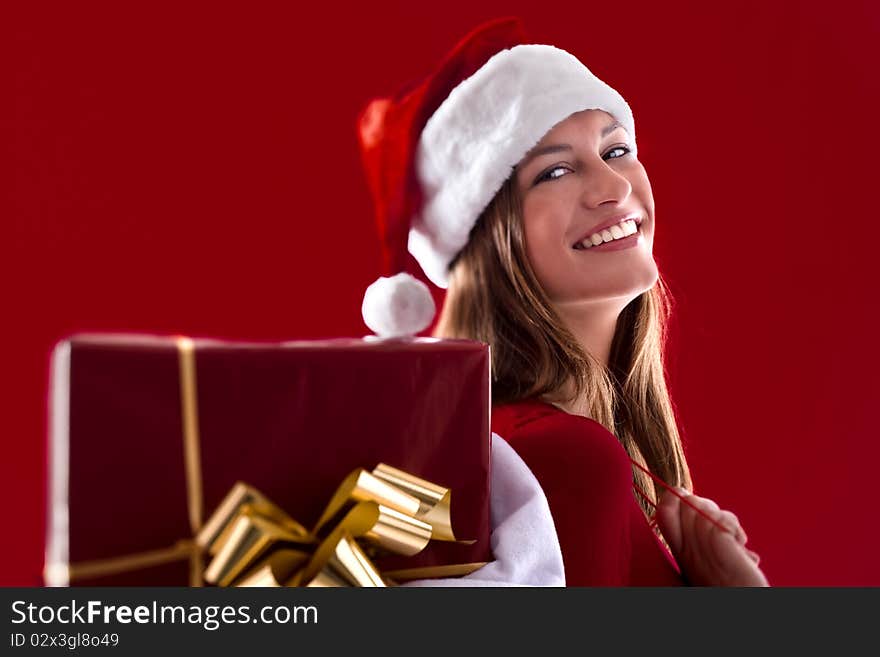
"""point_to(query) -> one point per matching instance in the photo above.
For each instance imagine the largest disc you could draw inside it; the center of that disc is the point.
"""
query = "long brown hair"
(494, 296)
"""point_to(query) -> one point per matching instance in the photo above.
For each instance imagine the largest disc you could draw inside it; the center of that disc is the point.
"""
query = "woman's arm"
(587, 479)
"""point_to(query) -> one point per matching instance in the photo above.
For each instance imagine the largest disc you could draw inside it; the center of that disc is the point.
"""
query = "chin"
(650, 276)
(636, 283)
(620, 284)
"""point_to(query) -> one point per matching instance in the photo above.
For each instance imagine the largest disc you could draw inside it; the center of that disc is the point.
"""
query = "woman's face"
(576, 180)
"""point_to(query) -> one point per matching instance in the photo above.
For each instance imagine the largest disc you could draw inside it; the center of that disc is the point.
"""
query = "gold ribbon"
(254, 543)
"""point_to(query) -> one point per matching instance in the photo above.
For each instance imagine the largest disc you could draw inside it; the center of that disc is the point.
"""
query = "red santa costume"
(587, 477)
(435, 155)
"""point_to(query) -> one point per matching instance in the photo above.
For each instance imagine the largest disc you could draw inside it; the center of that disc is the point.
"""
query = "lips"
(608, 223)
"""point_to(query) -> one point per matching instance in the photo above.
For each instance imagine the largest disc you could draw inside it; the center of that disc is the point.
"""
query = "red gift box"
(292, 419)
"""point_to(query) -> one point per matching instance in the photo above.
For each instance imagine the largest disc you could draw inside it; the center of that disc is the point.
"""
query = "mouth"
(625, 232)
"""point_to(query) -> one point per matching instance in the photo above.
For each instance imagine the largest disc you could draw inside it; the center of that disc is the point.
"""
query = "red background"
(194, 170)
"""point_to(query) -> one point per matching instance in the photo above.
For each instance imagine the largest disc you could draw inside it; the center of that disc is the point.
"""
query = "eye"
(625, 150)
(552, 174)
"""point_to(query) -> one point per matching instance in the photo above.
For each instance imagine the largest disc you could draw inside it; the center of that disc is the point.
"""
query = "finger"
(669, 520)
(725, 518)
(736, 566)
(706, 503)
(702, 522)
(731, 522)
(691, 543)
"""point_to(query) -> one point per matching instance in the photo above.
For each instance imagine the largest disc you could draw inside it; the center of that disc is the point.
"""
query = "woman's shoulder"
(535, 416)
(539, 431)
(511, 417)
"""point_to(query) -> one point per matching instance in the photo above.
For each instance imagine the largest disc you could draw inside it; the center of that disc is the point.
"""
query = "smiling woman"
(512, 175)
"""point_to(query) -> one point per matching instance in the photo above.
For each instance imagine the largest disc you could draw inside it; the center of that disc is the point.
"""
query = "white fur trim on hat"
(398, 306)
(485, 126)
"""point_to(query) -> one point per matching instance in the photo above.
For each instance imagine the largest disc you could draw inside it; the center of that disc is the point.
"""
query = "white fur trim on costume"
(398, 306)
(485, 126)
(524, 541)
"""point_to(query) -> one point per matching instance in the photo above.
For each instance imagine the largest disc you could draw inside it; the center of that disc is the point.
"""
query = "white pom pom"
(397, 306)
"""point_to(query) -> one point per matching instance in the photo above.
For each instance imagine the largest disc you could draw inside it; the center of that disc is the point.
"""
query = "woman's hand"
(708, 556)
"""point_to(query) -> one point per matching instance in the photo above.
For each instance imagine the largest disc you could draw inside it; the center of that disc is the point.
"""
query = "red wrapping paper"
(292, 419)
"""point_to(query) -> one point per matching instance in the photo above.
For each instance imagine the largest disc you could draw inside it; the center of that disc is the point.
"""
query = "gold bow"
(254, 543)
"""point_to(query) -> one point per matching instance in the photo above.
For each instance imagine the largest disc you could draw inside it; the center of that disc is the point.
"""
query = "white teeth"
(615, 232)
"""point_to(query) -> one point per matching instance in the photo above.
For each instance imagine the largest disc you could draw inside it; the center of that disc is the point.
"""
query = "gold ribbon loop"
(362, 486)
(250, 537)
(243, 497)
(434, 501)
(277, 569)
(339, 561)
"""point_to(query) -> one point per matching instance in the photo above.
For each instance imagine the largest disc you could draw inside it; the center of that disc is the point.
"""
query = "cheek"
(548, 256)
(641, 188)
(535, 248)
(542, 233)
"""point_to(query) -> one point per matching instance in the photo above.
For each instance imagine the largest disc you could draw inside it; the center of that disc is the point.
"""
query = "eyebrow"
(555, 148)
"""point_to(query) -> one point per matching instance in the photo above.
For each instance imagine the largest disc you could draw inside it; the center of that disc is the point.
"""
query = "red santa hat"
(436, 154)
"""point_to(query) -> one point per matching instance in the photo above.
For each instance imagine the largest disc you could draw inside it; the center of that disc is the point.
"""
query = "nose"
(602, 184)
